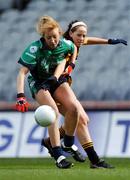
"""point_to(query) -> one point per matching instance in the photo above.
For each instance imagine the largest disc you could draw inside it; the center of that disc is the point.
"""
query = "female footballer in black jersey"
(77, 33)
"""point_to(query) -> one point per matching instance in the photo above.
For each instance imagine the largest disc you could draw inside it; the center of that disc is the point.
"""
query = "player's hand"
(21, 103)
(70, 68)
(50, 82)
(117, 41)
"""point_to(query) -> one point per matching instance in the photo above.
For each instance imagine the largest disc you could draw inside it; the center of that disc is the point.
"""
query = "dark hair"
(66, 33)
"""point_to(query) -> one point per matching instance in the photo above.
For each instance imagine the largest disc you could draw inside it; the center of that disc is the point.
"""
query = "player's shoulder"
(67, 42)
(30, 53)
(34, 46)
(85, 41)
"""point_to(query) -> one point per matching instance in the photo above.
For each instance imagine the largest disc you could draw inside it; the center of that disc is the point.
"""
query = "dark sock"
(46, 140)
(62, 132)
(92, 155)
(57, 152)
(68, 140)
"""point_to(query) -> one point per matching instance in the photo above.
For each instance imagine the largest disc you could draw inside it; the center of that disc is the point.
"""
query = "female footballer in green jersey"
(45, 61)
(77, 33)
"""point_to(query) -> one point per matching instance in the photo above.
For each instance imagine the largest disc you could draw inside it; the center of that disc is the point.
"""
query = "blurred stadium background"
(103, 71)
(101, 77)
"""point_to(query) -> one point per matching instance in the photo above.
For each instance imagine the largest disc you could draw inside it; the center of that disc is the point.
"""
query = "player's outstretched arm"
(96, 40)
(53, 80)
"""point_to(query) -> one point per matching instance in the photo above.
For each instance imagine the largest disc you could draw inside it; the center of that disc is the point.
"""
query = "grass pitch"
(44, 169)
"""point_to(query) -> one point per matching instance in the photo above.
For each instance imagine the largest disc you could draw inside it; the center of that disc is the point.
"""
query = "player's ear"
(60, 31)
(70, 33)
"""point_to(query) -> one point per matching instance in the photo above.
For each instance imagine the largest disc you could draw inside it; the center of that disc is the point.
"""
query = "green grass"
(44, 169)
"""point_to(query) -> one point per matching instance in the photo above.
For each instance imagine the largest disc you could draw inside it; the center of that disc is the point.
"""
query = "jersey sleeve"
(71, 47)
(29, 56)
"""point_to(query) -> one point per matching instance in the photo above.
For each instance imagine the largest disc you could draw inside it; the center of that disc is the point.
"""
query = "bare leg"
(44, 97)
(67, 98)
(82, 131)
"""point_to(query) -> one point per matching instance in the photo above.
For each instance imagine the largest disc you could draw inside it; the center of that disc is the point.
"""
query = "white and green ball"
(45, 115)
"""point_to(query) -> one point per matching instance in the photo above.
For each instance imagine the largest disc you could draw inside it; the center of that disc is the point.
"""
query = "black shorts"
(66, 78)
(45, 85)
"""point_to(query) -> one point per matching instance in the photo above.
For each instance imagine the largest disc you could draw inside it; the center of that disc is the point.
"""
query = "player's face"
(52, 38)
(79, 35)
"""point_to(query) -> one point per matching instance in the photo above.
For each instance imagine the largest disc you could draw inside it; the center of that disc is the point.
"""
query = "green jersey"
(42, 61)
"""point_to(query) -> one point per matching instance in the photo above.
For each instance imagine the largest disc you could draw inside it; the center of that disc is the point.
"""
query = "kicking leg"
(44, 97)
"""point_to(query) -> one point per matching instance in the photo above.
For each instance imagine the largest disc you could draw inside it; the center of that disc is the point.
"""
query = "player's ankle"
(68, 140)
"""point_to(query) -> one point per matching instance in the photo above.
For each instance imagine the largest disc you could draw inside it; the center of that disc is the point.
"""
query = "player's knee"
(83, 119)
